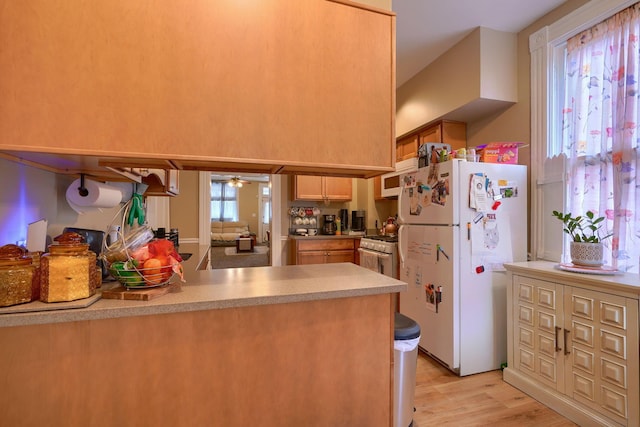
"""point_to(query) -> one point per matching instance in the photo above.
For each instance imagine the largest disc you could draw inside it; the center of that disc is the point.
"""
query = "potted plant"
(586, 246)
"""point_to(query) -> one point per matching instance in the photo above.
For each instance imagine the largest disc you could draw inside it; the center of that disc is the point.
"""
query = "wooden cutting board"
(120, 292)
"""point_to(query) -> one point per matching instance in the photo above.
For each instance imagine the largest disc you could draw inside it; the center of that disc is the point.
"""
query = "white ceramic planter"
(587, 254)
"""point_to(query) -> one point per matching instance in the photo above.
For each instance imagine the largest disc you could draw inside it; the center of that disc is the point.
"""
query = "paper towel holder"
(82, 190)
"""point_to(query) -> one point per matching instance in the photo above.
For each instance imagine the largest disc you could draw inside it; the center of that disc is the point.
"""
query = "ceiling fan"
(237, 182)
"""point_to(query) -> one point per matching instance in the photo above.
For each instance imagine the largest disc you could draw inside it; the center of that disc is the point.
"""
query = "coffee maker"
(343, 214)
(329, 227)
(358, 222)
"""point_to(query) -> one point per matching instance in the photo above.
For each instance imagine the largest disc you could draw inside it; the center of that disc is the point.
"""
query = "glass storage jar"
(68, 272)
(18, 278)
(35, 261)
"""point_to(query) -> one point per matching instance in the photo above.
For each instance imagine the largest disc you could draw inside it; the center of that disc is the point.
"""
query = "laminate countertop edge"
(229, 288)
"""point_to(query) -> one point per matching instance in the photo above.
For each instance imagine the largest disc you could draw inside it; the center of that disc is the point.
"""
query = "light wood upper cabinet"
(162, 183)
(338, 188)
(222, 85)
(444, 131)
(447, 132)
(406, 148)
(309, 187)
(377, 188)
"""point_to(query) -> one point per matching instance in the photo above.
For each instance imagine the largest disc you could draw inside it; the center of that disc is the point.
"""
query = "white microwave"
(390, 182)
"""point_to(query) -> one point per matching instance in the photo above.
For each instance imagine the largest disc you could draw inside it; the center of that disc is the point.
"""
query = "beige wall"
(467, 73)
(514, 123)
(184, 208)
(511, 122)
(249, 205)
(29, 194)
(477, 74)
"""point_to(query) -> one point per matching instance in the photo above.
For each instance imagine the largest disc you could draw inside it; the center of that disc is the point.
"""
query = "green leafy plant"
(582, 228)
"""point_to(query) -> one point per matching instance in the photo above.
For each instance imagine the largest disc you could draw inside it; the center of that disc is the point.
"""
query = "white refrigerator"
(459, 222)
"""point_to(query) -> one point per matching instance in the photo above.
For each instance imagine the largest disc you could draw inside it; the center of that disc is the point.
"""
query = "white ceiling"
(425, 29)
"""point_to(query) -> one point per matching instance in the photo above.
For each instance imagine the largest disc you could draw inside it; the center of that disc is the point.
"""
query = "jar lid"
(13, 255)
(68, 243)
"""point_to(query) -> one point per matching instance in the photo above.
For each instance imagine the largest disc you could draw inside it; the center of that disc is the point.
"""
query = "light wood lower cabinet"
(324, 251)
(193, 368)
(575, 348)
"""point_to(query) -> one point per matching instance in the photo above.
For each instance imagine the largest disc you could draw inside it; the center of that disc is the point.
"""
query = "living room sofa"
(228, 231)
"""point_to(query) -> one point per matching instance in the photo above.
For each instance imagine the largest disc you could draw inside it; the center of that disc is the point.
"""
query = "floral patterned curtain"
(600, 131)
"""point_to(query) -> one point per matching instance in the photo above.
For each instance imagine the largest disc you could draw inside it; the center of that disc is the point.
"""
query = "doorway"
(243, 198)
(265, 206)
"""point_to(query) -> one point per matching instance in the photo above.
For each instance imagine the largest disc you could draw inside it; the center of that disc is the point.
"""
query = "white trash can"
(405, 346)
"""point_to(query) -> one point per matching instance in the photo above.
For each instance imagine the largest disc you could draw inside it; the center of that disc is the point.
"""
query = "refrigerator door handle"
(400, 218)
(400, 252)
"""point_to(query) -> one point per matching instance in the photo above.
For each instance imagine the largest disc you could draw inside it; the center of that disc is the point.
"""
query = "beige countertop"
(225, 288)
(547, 270)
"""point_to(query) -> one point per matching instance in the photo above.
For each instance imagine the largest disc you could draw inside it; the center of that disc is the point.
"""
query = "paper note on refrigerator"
(491, 243)
(422, 251)
(478, 199)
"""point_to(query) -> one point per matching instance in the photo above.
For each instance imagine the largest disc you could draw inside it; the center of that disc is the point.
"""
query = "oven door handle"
(378, 254)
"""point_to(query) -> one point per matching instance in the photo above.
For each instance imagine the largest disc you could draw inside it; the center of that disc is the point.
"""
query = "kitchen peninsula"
(253, 346)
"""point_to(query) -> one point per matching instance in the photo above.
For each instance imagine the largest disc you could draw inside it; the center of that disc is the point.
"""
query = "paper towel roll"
(99, 196)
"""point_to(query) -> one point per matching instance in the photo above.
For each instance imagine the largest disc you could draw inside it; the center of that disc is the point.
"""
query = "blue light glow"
(17, 211)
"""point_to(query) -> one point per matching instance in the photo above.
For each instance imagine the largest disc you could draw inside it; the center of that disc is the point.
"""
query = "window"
(597, 152)
(224, 202)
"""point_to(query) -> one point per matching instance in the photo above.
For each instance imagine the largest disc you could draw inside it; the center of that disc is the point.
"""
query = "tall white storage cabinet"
(573, 342)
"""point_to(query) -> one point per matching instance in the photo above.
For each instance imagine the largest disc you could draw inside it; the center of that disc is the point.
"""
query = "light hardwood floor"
(443, 398)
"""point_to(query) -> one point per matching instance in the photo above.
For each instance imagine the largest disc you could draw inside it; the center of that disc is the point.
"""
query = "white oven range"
(380, 254)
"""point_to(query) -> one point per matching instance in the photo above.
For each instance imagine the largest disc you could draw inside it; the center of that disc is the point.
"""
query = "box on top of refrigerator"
(500, 152)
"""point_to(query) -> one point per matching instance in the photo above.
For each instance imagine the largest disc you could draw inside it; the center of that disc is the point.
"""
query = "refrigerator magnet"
(480, 269)
(440, 250)
(409, 181)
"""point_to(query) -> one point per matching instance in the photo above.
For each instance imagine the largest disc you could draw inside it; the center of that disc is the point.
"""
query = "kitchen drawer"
(325, 244)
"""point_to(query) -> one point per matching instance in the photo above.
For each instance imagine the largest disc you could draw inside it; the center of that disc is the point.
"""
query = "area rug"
(219, 259)
(231, 251)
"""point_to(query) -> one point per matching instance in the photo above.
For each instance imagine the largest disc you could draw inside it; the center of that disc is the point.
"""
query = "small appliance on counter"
(329, 226)
(358, 222)
(343, 214)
